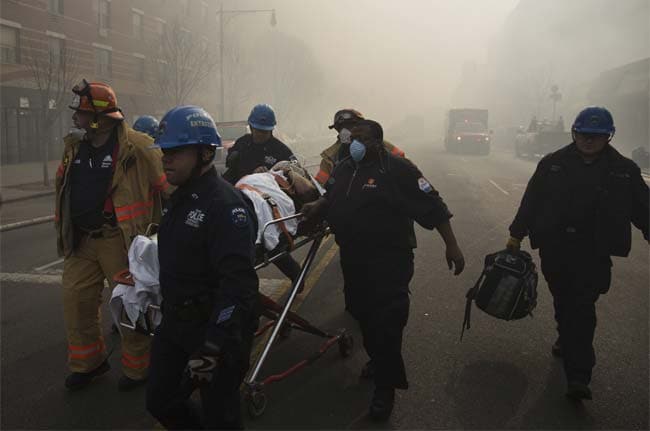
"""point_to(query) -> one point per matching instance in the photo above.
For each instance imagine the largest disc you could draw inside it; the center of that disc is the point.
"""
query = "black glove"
(313, 209)
(202, 365)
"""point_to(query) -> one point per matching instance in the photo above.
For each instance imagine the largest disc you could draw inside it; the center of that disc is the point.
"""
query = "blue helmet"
(146, 124)
(262, 117)
(187, 125)
(594, 119)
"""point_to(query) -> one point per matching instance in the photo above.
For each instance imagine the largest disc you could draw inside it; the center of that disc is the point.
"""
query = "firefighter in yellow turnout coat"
(108, 190)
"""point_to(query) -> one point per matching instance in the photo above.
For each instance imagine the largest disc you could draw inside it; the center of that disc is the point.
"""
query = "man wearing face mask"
(108, 190)
(206, 249)
(344, 121)
(577, 209)
(371, 202)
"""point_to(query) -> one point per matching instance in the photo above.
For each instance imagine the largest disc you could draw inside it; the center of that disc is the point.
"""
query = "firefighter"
(577, 209)
(208, 282)
(370, 204)
(146, 124)
(258, 152)
(108, 189)
(344, 120)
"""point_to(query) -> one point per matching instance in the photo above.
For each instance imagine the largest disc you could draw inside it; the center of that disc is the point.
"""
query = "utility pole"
(555, 96)
(222, 14)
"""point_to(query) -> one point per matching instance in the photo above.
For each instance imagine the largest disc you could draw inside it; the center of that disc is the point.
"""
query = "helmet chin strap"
(200, 164)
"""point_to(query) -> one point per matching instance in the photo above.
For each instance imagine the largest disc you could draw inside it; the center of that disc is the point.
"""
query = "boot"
(382, 403)
(577, 391)
(76, 381)
(368, 370)
(556, 349)
(126, 384)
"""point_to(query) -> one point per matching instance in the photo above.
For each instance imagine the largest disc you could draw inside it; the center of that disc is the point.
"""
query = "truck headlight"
(458, 138)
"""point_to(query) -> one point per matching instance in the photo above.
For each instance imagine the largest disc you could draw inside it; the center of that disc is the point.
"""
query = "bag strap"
(470, 295)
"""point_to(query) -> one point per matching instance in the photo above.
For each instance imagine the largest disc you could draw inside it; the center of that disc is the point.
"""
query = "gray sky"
(389, 58)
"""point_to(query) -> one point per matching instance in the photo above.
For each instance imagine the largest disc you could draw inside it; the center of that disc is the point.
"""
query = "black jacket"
(620, 198)
(245, 156)
(206, 246)
(372, 205)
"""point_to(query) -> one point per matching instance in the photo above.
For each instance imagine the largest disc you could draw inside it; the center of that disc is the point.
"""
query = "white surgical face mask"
(344, 136)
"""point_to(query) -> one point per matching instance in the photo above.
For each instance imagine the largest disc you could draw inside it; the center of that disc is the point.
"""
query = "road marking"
(499, 188)
(271, 287)
(44, 267)
(14, 277)
(309, 284)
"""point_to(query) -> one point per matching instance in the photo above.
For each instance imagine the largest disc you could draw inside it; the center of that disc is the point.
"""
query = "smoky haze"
(391, 60)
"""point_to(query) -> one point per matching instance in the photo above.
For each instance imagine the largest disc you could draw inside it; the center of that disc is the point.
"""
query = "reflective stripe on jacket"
(138, 182)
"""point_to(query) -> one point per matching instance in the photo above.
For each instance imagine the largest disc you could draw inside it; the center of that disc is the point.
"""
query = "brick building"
(109, 40)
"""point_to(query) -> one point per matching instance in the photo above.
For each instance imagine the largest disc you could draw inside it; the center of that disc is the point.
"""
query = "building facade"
(112, 41)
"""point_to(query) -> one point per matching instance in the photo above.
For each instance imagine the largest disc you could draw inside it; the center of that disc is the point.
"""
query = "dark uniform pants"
(576, 282)
(377, 296)
(168, 388)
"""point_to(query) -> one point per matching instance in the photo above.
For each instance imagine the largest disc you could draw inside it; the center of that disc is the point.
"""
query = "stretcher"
(277, 318)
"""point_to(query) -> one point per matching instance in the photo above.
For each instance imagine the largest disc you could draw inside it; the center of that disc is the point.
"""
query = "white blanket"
(135, 300)
(265, 183)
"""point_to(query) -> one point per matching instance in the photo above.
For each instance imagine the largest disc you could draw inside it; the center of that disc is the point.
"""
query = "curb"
(27, 197)
(26, 223)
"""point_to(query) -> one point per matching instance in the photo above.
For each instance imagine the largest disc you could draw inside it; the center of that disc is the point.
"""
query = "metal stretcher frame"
(281, 320)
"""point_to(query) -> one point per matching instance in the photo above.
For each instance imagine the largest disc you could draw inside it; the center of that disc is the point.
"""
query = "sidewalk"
(25, 180)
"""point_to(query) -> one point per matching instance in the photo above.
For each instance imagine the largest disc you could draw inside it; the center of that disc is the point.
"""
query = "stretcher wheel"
(256, 403)
(346, 343)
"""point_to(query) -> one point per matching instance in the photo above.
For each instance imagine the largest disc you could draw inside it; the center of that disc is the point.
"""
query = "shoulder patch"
(424, 185)
(239, 217)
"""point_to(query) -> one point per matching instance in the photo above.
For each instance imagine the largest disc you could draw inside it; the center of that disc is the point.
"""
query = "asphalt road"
(501, 376)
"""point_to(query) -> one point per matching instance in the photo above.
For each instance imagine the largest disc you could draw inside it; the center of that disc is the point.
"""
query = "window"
(56, 48)
(185, 38)
(104, 18)
(9, 45)
(103, 62)
(137, 26)
(55, 6)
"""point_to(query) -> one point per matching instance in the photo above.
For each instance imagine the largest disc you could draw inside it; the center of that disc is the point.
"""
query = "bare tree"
(53, 70)
(179, 63)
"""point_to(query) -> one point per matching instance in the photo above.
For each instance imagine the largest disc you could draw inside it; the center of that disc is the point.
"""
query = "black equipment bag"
(506, 289)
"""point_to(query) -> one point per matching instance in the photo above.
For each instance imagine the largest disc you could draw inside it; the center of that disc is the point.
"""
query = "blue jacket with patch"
(206, 248)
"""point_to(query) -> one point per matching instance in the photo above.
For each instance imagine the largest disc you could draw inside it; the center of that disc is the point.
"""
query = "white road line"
(269, 286)
(499, 188)
(44, 267)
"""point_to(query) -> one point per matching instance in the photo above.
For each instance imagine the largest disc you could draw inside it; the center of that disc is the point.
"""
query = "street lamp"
(221, 14)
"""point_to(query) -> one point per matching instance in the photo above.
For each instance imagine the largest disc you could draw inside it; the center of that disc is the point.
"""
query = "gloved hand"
(260, 170)
(455, 259)
(202, 365)
(313, 209)
(514, 244)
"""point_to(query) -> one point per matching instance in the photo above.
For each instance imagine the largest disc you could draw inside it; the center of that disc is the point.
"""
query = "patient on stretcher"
(279, 193)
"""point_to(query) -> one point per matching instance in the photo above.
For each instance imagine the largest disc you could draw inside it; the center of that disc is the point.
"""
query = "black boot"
(368, 370)
(556, 349)
(577, 391)
(76, 381)
(126, 384)
(382, 403)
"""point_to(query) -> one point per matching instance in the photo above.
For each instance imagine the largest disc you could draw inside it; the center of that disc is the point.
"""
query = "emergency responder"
(344, 120)
(108, 190)
(370, 204)
(258, 152)
(146, 124)
(577, 210)
(208, 282)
